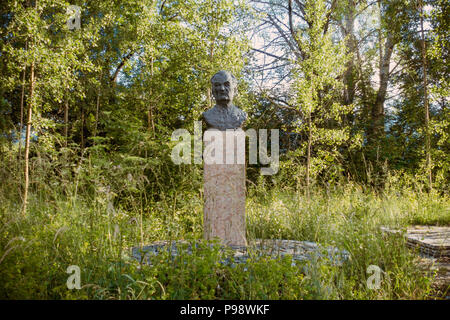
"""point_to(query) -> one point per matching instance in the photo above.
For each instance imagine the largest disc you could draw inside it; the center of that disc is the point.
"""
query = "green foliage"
(97, 236)
(102, 180)
(316, 90)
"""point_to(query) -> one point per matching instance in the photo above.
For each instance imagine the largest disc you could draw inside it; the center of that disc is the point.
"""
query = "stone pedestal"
(224, 189)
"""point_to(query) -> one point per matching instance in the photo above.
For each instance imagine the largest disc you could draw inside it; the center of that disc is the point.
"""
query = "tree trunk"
(97, 110)
(22, 98)
(150, 121)
(208, 90)
(376, 128)
(425, 102)
(351, 48)
(377, 112)
(82, 129)
(66, 121)
(308, 155)
(27, 140)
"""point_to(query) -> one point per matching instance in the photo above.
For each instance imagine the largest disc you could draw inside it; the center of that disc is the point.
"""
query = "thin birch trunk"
(27, 140)
(425, 102)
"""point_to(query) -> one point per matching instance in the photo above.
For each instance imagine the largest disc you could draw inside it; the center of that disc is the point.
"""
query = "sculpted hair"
(223, 72)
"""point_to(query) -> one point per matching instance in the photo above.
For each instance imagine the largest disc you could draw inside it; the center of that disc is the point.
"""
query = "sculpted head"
(224, 88)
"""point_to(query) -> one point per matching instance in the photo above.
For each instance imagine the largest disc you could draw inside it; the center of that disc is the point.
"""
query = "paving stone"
(298, 250)
(433, 245)
(432, 241)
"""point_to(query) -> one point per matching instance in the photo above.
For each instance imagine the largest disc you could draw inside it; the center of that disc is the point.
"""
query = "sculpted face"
(224, 115)
(223, 88)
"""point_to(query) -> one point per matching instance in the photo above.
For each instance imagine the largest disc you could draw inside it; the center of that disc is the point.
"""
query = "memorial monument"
(224, 190)
(224, 178)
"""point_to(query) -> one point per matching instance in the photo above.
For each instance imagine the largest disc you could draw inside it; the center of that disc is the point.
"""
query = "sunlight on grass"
(37, 249)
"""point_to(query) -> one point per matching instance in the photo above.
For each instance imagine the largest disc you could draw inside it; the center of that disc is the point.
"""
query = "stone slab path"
(432, 241)
(433, 245)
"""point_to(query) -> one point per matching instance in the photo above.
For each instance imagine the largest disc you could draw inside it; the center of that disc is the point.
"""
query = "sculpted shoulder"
(208, 114)
(231, 119)
(210, 117)
(241, 114)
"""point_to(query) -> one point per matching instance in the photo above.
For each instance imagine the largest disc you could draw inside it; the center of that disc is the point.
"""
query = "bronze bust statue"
(224, 115)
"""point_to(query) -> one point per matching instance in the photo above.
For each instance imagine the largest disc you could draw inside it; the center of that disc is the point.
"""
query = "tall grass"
(94, 233)
(350, 218)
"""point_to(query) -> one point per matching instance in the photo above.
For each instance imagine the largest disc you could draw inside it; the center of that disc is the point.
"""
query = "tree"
(317, 87)
(425, 98)
(37, 39)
